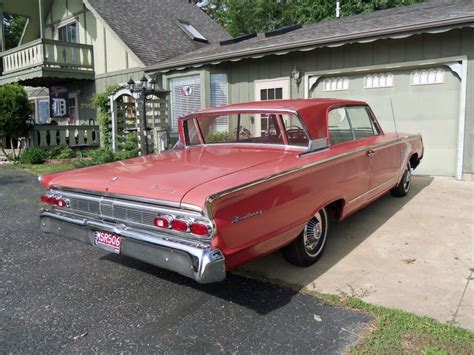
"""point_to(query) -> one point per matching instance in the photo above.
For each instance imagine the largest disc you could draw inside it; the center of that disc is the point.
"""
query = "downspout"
(2, 32)
(41, 20)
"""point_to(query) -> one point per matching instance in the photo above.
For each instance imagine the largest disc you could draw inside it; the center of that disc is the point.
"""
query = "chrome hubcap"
(406, 185)
(312, 234)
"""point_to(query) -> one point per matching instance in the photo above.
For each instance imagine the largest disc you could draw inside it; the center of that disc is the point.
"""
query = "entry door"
(275, 89)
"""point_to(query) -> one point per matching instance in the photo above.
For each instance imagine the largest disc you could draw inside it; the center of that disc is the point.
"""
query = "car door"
(383, 151)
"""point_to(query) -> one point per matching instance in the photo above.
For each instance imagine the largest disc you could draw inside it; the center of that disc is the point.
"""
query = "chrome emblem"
(236, 219)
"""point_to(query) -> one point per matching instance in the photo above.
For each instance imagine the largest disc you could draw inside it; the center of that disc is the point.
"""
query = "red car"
(243, 181)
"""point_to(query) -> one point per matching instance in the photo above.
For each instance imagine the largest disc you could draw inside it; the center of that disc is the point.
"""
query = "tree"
(247, 16)
(13, 26)
(14, 113)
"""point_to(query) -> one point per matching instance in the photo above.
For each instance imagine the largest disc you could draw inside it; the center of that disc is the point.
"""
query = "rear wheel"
(404, 185)
(308, 247)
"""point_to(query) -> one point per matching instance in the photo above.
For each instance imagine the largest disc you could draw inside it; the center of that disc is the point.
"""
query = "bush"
(33, 156)
(219, 137)
(127, 147)
(61, 153)
(96, 157)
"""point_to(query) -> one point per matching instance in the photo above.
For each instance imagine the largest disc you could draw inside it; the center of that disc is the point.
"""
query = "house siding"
(455, 43)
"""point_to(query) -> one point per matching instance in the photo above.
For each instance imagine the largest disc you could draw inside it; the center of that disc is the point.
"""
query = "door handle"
(370, 153)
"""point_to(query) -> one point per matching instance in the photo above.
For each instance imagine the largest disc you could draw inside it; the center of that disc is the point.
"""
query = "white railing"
(50, 54)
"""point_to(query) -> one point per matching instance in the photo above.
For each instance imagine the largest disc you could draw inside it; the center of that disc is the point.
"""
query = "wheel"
(404, 185)
(308, 247)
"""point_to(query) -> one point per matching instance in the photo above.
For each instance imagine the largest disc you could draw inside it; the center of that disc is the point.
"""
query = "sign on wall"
(58, 101)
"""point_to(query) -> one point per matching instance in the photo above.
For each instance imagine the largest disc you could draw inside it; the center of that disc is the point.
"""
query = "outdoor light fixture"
(153, 84)
(296, 75)
(144, 82)
(131, 85)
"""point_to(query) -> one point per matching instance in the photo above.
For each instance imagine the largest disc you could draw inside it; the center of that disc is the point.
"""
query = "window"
(384, 80)
(192, 133)
(361, 122)
(246, 131)
(185, 97)
(219, 97)
(427, 77)
(191, 31)
(339, 126)
(336, 84)
(295, 131)
(72, 109)
(350, 123)
(271, 94)
(68, 32)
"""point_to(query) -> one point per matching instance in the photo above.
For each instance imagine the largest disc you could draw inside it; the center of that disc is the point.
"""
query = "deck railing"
(48, 136)
(50, 54)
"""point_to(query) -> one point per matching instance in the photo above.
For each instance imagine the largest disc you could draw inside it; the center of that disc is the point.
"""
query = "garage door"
(425, 101)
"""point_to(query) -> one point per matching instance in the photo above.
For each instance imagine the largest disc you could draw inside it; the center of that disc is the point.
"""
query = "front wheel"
(308, 247)
(404, 185)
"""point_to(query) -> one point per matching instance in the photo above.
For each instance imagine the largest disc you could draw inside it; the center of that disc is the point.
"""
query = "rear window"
(255, 128)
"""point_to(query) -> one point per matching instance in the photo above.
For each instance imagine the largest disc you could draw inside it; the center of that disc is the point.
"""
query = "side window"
(339, 126)
(361, 122)
(191, 132)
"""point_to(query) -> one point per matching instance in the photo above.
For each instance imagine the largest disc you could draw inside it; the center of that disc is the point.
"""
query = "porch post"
(113, 113)
(41, 19)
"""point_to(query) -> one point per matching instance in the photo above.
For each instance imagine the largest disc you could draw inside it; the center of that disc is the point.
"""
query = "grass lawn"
(41, 169)
(395, 331)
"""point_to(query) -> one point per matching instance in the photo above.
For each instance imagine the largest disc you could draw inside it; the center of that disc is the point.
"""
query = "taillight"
(199, 229)
(55, 200)
(162, 221)
(180, 225)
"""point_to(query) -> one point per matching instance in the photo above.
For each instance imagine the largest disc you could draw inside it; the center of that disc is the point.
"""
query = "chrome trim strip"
(217, 195)
(130, 198)
(388, 182)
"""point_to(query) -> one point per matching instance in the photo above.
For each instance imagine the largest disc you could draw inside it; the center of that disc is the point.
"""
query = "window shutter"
(219, 97)
(185, 97)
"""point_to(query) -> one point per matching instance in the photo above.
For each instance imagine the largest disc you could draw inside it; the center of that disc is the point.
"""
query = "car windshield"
(254, 128)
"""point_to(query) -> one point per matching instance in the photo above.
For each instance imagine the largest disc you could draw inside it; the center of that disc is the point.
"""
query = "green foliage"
(127, 146)
(219, 137)
(61, 153)
(14, 112)
(241, 17)
(13, 27)
(101, 103)
(33, 156)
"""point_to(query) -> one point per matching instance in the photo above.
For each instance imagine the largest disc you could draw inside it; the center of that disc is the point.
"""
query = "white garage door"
(424, 100)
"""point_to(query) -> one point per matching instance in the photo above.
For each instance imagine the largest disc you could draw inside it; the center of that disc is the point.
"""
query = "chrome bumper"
(188, 258)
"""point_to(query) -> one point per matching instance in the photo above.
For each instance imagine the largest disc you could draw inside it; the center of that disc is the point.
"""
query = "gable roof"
(149, 28)
(436, 15)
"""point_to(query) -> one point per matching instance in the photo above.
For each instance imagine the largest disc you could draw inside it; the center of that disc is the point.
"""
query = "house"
(414, 65)
(72, 49)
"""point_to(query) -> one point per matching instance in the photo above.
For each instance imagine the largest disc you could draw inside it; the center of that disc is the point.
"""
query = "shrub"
(33, 156)
(96, 157)
(66, 153)
(219, 137)
(127, 147)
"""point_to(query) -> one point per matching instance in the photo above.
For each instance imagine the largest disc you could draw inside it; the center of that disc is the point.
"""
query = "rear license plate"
(107, 241)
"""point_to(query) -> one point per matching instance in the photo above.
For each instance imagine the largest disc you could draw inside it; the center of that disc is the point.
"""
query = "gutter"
(466, 21)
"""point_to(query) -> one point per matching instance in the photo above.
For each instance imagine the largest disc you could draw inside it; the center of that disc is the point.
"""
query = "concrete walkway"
(413, 253)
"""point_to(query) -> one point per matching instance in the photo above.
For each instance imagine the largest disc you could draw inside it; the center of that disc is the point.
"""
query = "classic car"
(243, 181)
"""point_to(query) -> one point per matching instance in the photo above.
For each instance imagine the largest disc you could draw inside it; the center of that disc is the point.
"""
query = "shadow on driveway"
(343, 237)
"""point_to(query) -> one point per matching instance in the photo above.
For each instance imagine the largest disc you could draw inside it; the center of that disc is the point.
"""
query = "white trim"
(461, 120)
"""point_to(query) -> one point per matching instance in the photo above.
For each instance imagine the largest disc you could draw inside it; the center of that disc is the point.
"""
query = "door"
(68, 33)
(275, 89)
(425, 100)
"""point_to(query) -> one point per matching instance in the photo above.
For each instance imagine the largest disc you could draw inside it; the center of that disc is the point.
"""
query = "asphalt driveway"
(59, 296)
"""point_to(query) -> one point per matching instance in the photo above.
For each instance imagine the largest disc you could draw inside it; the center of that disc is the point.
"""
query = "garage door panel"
(429, 109)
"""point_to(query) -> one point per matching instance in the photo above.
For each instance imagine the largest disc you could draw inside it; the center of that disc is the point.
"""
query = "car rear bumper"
(188, 258)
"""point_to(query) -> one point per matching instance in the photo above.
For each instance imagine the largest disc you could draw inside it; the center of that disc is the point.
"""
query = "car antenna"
(393, 116)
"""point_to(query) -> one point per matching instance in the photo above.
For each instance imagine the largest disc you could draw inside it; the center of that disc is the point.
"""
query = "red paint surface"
(280, 207)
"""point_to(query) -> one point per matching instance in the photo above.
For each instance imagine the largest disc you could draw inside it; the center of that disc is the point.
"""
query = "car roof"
(290, 105)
